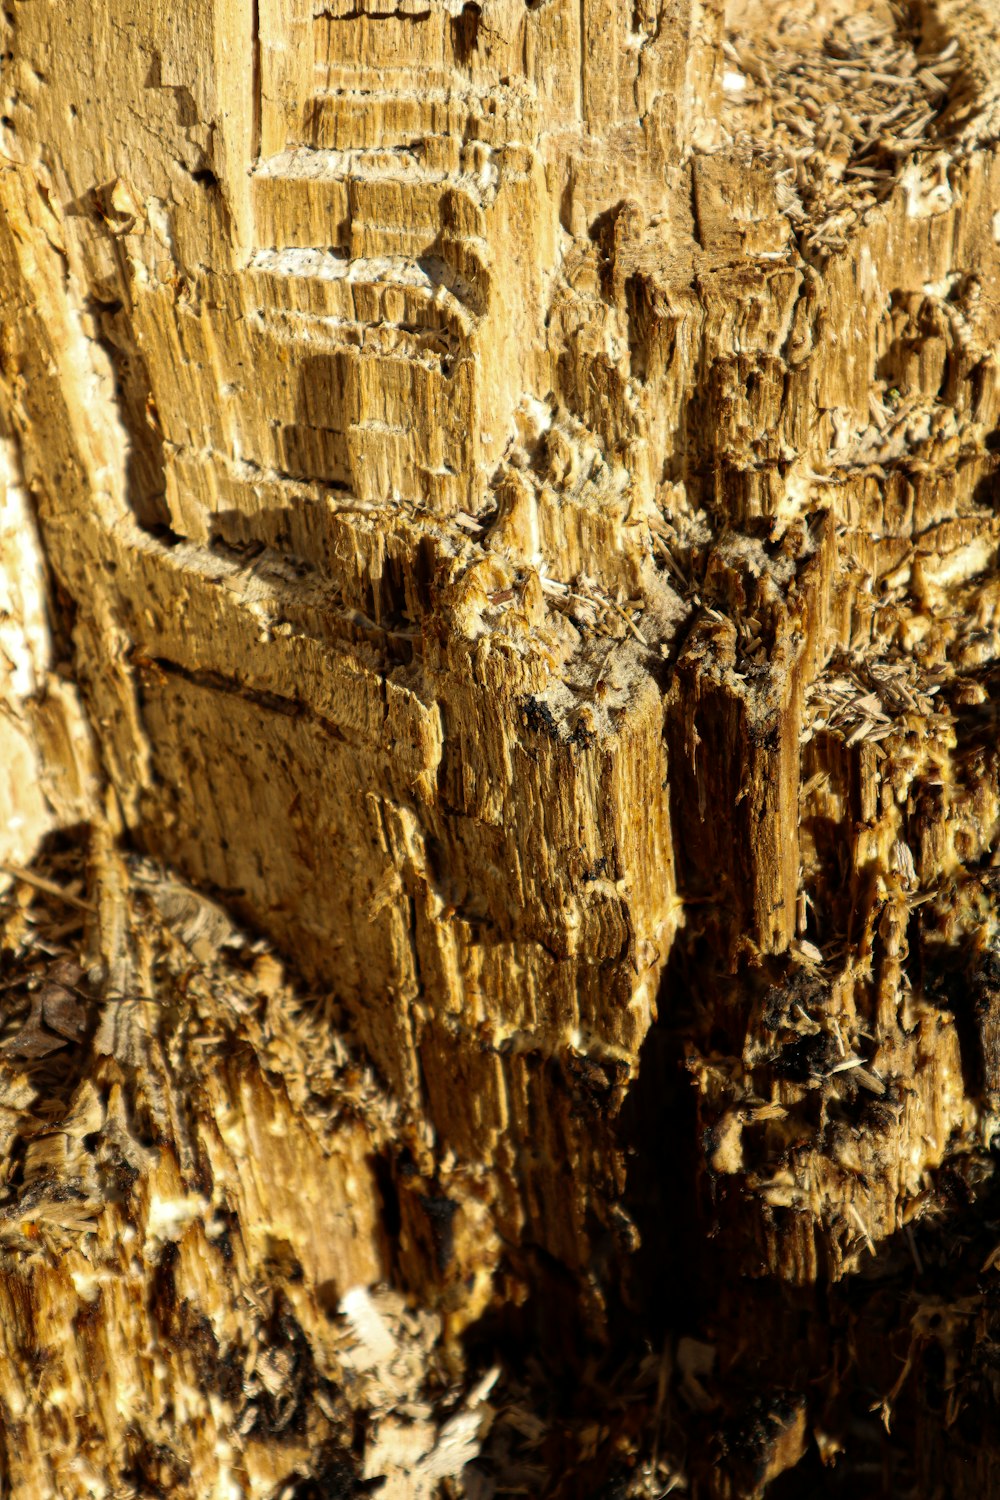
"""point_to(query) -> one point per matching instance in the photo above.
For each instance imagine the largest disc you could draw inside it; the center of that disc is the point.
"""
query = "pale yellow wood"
(498, 499)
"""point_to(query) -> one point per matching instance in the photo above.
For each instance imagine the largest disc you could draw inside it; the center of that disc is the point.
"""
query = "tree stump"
(499, 615)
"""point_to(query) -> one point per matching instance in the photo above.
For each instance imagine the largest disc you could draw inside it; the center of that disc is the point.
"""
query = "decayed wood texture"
(498, 498)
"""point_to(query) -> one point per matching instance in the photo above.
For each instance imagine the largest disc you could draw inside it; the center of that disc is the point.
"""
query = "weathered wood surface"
(501, 498)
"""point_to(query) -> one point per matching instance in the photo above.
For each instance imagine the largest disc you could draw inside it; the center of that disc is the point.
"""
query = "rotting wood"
(498, 633)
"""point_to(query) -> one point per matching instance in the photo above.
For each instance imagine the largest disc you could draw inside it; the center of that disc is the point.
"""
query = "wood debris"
(499, 794)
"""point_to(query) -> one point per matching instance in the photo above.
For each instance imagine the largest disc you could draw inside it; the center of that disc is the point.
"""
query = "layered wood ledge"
(499, 628)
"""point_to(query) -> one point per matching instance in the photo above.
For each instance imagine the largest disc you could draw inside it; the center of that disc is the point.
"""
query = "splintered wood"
(497, 502)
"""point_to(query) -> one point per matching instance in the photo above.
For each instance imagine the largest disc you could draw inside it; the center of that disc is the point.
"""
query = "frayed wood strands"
(593, 607)
(867, 701)
(49, 887)
(841, 106)
(543, 437)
